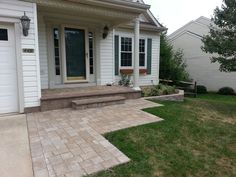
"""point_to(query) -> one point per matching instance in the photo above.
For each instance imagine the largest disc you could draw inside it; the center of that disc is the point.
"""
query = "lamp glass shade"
(105, 32)
(25, 21)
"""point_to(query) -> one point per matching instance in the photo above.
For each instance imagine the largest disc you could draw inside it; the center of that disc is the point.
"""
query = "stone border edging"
(173, 97)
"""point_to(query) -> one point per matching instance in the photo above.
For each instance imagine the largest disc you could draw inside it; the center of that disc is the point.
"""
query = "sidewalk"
(15, 159)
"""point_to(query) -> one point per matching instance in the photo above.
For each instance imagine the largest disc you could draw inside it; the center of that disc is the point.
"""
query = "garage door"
(8, 73)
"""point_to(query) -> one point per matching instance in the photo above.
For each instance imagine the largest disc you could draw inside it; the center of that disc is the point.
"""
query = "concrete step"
(97, 102)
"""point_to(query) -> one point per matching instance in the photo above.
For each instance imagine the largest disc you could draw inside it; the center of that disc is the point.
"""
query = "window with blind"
(126, 52)
(142, 52)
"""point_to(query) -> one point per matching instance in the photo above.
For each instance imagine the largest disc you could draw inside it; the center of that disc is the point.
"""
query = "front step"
(63, 99)
(97, 102)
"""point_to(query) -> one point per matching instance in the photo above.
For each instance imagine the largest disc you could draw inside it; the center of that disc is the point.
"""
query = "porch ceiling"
(116, 12)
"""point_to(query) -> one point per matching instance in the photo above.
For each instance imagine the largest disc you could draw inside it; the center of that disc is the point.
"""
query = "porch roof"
(116, 4)
(114, 11)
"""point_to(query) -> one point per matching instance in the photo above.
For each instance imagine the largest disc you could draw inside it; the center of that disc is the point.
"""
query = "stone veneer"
(173, 97)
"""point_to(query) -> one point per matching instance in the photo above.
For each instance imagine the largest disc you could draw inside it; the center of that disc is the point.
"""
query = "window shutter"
(116, 55)
(149, 56)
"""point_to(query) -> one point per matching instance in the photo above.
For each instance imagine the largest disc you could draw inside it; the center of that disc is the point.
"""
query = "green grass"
(196, 138)
(217, 97)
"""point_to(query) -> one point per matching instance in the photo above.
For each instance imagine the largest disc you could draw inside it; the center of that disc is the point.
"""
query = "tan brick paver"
(69, 143)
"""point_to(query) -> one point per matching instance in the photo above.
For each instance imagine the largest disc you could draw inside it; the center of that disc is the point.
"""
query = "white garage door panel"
(8, 72)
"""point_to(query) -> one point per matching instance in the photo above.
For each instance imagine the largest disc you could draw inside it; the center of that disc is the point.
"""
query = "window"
(126, 52)
(3, 35)
(142, 54)
(91, 54)
(56, 51)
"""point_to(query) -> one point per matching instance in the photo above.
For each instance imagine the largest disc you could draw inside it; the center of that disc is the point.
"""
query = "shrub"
(226, 91)
(172, 63)
(158, 90)
(201, 89)
(149, 91)
(125, 80)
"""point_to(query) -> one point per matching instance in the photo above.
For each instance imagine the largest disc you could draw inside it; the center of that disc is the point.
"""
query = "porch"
(62, 98)
(76, 41)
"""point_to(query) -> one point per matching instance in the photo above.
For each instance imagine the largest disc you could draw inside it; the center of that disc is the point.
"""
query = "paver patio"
(69, 143)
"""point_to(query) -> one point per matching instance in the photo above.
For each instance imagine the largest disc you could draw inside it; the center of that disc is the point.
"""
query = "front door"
(75, 55)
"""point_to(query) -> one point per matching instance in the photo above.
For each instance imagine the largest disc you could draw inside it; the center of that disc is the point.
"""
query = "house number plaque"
(28, 50)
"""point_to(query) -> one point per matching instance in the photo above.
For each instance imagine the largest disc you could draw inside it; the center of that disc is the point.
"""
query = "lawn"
(196, 138)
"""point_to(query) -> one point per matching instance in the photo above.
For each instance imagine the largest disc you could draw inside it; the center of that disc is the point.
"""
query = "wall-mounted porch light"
(105, 32)
(25, 21)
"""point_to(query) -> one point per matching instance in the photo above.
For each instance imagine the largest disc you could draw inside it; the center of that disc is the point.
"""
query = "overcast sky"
(175, 13)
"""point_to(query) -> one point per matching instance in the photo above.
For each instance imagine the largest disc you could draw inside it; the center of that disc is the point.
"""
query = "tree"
(172, 65)
(222, 37)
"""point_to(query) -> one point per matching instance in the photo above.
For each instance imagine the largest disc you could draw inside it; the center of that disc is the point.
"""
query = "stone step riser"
(96, 105)
(53, 104)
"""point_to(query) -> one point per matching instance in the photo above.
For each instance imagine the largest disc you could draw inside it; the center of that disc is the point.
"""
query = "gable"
(196, 28)
(147, 17)
(144, 19)
(204, 20)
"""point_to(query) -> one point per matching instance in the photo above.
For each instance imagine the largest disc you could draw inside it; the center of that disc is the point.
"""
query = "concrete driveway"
(15, 159)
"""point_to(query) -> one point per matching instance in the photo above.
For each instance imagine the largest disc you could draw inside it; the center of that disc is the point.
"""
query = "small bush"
(201, 89)
(125, 80)
(226, 91)
(158, 90)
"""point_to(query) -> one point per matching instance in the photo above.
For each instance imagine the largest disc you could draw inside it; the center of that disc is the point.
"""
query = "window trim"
(132, 51)
(132, 37)
(145, 62)
(93, 50)
(7, 37)
(59, 48)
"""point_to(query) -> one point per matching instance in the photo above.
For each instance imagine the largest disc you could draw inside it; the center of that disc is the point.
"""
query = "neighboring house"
(74, 43)
(199, 64)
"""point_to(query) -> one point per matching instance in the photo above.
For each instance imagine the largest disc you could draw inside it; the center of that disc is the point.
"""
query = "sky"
(173, 14)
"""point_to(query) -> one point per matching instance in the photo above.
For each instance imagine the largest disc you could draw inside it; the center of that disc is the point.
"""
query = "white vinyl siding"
(107, 59)
(43, 54)
(16, 9)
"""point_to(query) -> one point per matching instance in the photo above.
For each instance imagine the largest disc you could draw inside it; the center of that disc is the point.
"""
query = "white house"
(199, 66)
(73, 43)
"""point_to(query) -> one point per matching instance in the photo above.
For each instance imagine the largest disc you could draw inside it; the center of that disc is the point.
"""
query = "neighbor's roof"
(192, 28)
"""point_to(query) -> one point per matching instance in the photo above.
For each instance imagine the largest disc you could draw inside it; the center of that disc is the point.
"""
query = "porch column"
(136, 54)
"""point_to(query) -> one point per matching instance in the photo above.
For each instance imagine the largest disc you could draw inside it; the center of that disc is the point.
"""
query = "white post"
(136, 54)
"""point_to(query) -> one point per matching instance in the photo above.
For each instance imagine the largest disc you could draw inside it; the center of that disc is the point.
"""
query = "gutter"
(114, 4)
(145, 27)
(153, 26)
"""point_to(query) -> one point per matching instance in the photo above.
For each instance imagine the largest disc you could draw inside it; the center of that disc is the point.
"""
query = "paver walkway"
(68, 143)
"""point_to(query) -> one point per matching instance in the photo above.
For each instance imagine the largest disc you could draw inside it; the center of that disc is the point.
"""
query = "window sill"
(130, 71)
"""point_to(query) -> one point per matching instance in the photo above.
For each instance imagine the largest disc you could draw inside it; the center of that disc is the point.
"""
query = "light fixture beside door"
(25, 22)
(105, 32)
